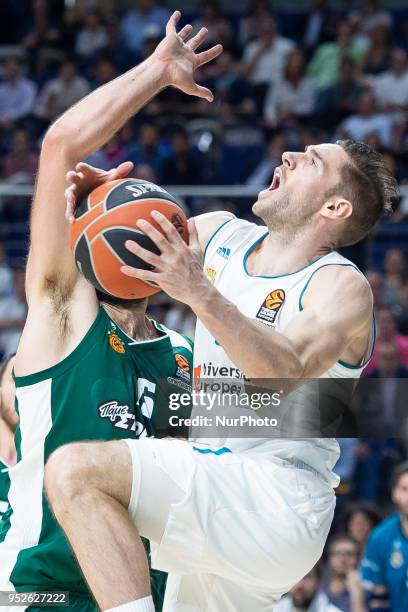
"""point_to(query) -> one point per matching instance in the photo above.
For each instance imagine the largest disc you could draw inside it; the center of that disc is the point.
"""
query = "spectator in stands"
(396, 269)
(44, 43)
(103, 71)
(318, 27)
(17, 94)
(378, 57)
(210, 18)
(183, 167)
(92, 37)
(62, 92)
(233, 94)
(389, 365)
(20, 164)
(368, 121)
(147, 149)
(116, 49)
(338, 102)
(325, 64)
(264, 58)
(292, 94)
(360, 519)
(145, 14)
(382, 411)
(306, 597)
(384, 295)
(258, 12)
(13, 313)
(342, 586)
(263, 173)
(384, 567)
(145, 173)
(387, 331)
(228, 36)
(391, 87)
(370, 16)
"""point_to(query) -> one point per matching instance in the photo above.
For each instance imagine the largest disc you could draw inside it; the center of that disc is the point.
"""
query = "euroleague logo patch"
(271, 306)
(116, 343)
(183, 366)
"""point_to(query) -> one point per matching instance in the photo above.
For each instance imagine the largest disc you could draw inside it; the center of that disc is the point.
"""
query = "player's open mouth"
(276, 181)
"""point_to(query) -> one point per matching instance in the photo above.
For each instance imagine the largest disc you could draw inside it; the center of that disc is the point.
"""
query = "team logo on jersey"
(183, 367)
(116, 343)
(224, 252)
(396, 559)
(211, 275)
(120, 415)
(271, 306)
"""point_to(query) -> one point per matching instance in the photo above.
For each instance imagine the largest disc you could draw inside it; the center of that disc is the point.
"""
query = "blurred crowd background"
(289, 77)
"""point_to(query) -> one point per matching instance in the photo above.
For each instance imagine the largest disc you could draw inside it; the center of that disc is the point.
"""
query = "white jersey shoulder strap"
(232, 235)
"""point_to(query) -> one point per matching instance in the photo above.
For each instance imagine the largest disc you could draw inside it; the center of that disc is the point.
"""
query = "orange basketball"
(105, 219)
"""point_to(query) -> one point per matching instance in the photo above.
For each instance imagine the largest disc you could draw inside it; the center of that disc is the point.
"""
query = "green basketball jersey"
(109, 388)
(4, 487)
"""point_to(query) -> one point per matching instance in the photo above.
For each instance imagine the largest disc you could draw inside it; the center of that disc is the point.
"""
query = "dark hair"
(368, 183)
(371, 511)
(399, 470)
(341, 537)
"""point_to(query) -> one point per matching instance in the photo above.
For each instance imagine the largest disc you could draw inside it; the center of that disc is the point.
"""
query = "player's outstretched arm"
(86, 127)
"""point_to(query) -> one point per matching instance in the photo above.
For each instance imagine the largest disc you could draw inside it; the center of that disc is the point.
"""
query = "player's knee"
(66, 473)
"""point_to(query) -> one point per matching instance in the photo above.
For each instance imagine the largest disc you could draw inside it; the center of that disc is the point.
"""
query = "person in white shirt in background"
(265, 57)
(62, 92)
(368, 120)
(291, 94)
(305, 596)
(17, 93)
(390, 88)
(92, 37)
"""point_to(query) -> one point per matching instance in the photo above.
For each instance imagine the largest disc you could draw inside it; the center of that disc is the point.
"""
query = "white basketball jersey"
(275, 301)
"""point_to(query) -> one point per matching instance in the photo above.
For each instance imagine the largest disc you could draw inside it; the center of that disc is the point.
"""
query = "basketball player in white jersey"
(237, 525)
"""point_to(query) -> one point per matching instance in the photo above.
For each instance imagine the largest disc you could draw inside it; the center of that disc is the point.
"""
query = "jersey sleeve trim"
(373, 329)
(215, 233)
(87, 342)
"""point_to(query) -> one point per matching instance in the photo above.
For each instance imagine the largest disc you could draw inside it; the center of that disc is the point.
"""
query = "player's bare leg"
(89, 488)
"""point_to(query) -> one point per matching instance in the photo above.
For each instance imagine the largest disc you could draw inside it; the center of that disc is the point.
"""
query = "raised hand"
(85, 178)
(181, 59)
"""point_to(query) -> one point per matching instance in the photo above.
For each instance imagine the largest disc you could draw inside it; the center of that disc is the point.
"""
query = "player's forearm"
(258, 351)
(94, 120)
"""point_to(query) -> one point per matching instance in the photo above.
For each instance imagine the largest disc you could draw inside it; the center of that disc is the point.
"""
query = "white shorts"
(234, 531)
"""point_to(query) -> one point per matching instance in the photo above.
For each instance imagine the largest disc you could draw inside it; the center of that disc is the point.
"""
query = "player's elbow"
(57, 140)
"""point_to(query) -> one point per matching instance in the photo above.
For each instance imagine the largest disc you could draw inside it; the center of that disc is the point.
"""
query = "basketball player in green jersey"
(81, 367)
